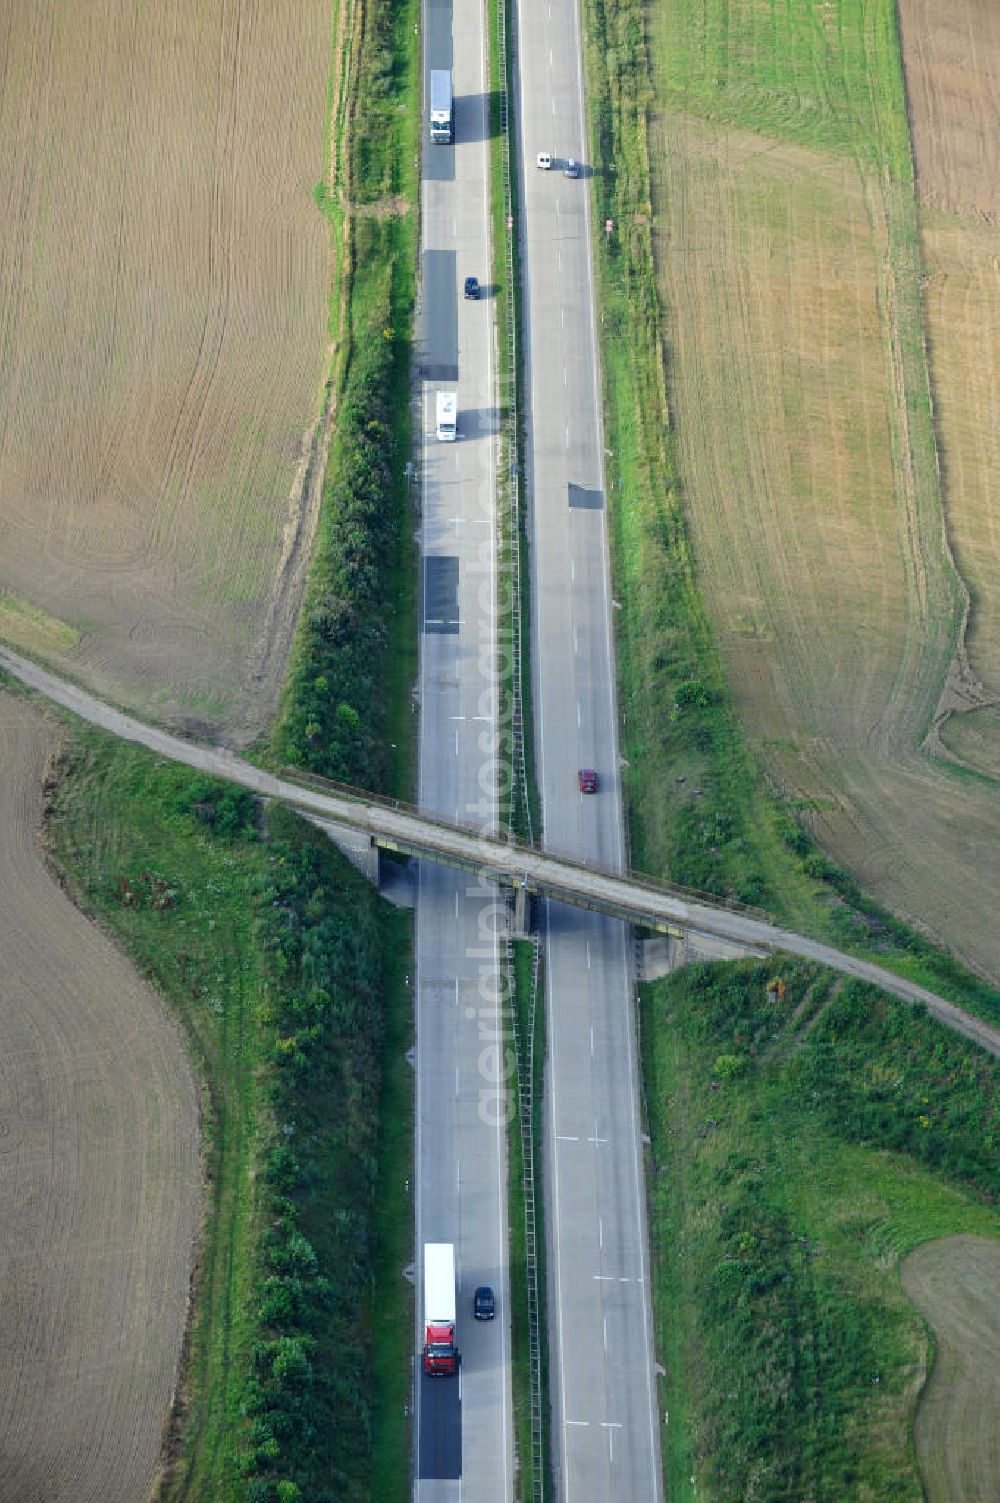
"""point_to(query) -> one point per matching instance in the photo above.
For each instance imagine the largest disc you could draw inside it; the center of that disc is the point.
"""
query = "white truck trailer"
(440, 1352)
(442, 108)
(447, 416)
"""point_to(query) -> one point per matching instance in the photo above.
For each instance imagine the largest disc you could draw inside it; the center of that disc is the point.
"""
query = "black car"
(472, 287)
(484, 1305)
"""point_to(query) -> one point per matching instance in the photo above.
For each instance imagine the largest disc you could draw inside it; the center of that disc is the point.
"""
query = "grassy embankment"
(803, 1143)
(285, 969)
(679, 730)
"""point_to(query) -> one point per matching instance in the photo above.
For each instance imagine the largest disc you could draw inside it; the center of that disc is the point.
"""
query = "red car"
(587, 780)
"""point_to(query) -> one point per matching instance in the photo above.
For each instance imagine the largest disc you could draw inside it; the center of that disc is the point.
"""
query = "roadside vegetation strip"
(347, 695)
(529, 1348)
(806, 1135)
(391, 1297)
(699, 808)
(514, 631)
(268, 948)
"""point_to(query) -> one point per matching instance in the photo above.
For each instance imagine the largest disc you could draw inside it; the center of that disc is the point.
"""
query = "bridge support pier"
(522, 911)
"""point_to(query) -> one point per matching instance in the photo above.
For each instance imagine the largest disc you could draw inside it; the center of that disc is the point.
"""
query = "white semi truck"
(446, 414)
(440, 1352)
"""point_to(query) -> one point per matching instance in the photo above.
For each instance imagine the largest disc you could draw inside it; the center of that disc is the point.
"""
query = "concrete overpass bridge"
(391, 826)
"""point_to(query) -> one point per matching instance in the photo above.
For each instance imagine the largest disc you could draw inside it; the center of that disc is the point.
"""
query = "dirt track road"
(99, 1179)
(627, 896)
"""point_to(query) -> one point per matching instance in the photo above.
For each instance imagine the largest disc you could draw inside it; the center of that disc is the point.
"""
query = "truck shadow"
(477, 116)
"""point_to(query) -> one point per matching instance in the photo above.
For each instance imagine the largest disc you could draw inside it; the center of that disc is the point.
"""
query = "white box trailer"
(440, 1354)
(447, 416)
(442, 107)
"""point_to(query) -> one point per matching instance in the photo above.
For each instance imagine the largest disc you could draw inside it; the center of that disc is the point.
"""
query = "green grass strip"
(806, 1135)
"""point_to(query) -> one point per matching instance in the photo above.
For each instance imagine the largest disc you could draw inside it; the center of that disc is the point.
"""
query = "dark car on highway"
(587, 780)
(484, 1305)
(472, 287)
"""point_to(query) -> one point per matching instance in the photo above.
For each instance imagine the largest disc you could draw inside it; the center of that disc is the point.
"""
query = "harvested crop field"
(953, 1283)
(164, 285)
(99, 1179)
(951, 54)
(952, 60)
(787, 254)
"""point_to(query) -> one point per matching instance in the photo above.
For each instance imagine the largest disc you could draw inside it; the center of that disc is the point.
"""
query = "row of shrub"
(307, 1389)
(336, 702)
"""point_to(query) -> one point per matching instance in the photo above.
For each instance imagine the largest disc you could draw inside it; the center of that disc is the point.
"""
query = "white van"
(447, 412)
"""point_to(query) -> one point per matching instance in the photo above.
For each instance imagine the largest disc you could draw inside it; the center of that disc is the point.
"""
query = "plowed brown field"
(953, 1283)
(99, 1178)
(163, 323)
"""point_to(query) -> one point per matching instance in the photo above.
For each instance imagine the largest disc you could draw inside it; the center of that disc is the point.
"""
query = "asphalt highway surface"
(602, 1383)
(463, 1431)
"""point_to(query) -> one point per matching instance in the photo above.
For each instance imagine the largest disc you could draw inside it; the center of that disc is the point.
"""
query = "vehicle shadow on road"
(473, 113)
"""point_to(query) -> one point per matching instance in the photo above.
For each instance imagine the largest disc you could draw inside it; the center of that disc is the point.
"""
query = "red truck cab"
(440, 1356)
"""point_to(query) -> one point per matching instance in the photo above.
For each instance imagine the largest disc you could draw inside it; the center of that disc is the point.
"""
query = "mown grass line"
(518, 1253)
(805, 1137)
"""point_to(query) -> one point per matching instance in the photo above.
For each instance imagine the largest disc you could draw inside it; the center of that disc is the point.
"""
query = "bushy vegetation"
(335, 709)
(270, 950)
(307, 1393)
(346, 698)
(805, 1135)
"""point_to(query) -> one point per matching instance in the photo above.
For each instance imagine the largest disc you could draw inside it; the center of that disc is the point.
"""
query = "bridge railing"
(491, 837)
